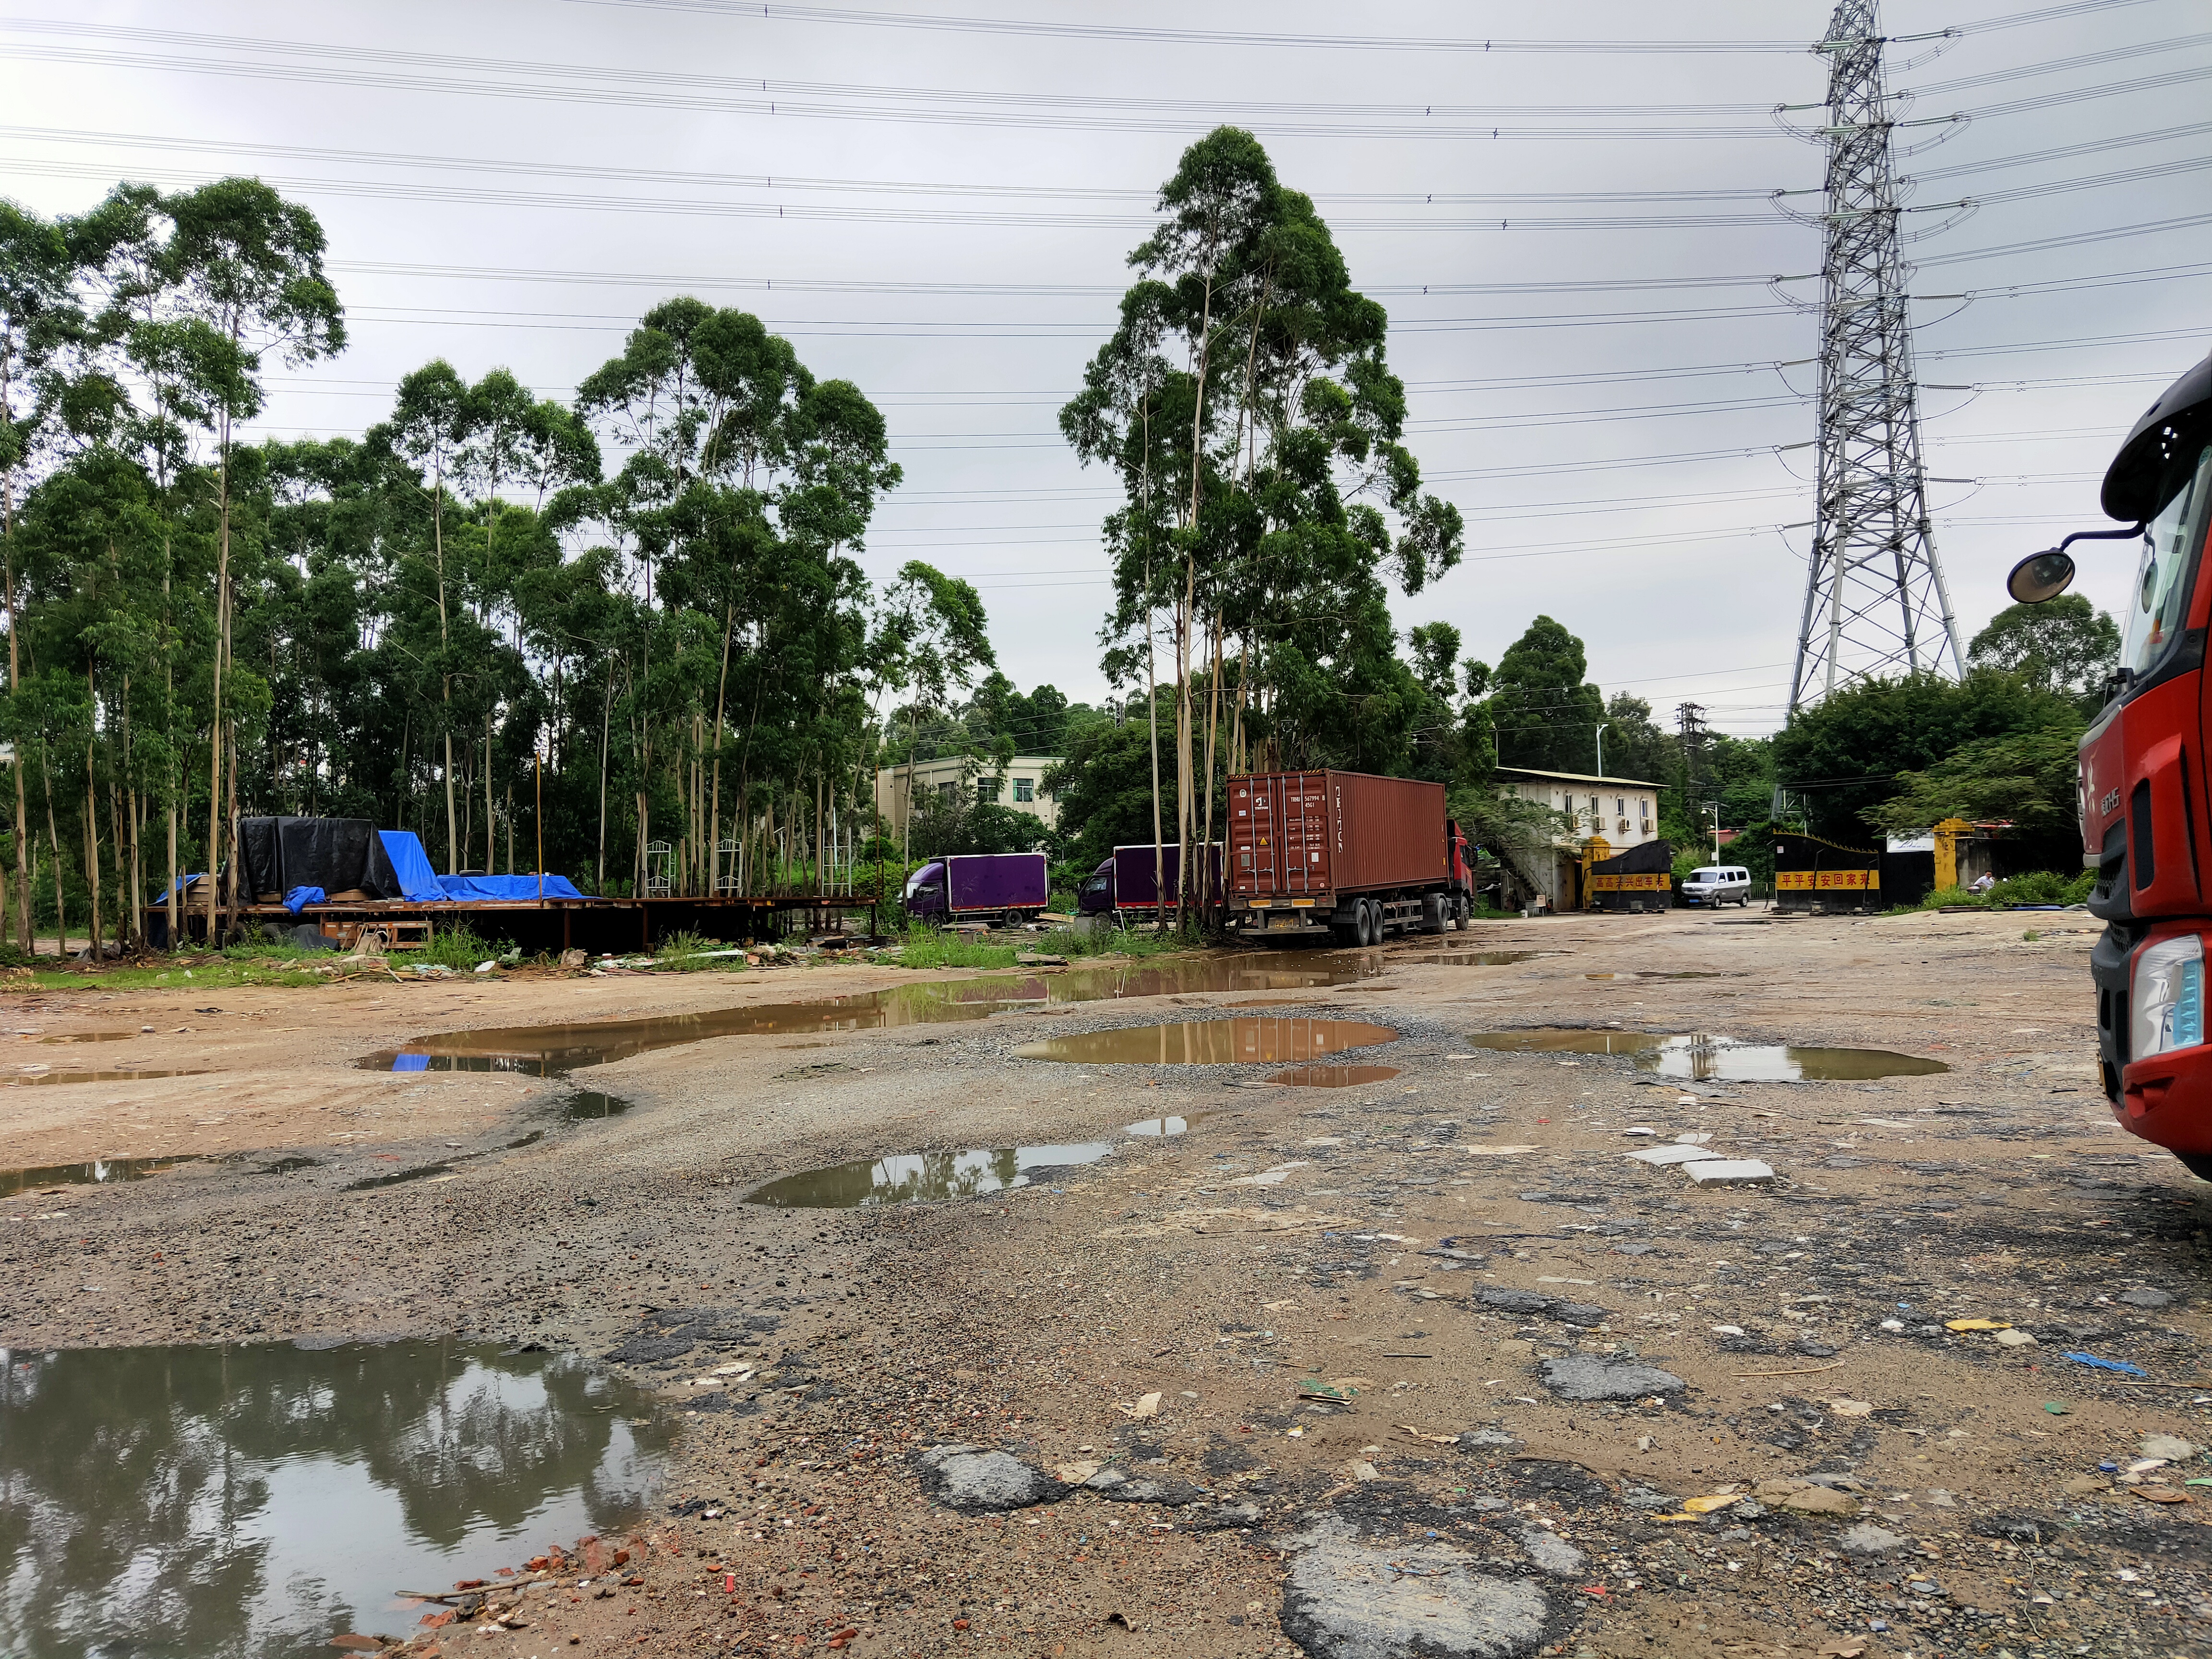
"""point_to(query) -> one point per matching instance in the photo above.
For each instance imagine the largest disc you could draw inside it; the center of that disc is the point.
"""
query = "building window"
(1024, 788)
(946, 791)
(1620, 806)
(987, 789)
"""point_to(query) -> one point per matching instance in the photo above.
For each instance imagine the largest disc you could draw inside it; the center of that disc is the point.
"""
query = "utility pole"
(1875, 604)
(1600, 747)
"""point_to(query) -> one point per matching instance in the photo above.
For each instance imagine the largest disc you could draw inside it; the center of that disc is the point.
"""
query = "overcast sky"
(942, 215)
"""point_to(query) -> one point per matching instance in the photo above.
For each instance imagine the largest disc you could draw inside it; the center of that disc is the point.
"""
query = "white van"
(1718, 884)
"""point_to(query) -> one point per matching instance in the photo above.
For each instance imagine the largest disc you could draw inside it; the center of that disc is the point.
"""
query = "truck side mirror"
(2041, 577)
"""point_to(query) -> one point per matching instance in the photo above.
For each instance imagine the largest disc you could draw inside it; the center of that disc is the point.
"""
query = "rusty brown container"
(1300, 835)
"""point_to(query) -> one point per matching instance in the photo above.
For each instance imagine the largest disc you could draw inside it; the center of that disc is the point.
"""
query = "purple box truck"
(1124, 882)
(1005, 889)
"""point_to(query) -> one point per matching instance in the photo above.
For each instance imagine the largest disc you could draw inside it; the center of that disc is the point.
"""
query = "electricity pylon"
(1874, 598)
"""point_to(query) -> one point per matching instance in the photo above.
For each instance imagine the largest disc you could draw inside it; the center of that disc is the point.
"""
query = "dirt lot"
(1303, 1376)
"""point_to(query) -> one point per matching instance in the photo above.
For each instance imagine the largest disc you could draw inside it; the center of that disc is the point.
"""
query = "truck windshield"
(2172, 545)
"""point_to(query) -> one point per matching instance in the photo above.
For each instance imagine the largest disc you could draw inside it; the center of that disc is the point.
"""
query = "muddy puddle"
(92, 1036)
(188, 1503)
(99, 1172)
(1703, 1059)
(1686, 973)
(1243, 1040)
(1333, 1076)
(30, 1076)
(551, 1050)
(1475, 958)
(925, 1178)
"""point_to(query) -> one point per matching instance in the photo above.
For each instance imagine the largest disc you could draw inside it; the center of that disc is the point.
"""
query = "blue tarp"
(418, 882)
(301, 897)
(509, 887)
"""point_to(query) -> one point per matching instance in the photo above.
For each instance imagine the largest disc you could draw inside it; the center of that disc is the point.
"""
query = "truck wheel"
(1370, 922)
(1347, 935)
(2198, 1163)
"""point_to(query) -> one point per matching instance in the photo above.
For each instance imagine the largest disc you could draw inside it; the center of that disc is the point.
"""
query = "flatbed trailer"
(597, 925)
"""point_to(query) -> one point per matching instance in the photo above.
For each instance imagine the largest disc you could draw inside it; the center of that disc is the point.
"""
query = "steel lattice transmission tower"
(1874, 598)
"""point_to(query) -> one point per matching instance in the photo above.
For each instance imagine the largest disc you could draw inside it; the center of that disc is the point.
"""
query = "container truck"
(1124, 882)
(1003, 889)
(2146, 810)
(1345, 854)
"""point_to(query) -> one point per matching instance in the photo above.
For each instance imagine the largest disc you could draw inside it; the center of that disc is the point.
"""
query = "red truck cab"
(2145, 806)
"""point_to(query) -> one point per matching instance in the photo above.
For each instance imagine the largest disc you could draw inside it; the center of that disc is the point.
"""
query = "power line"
(1245, 40)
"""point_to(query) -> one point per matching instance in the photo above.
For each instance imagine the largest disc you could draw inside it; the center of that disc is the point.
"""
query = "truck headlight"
(2168, 998)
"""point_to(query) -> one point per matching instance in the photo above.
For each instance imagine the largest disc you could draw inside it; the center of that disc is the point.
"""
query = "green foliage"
(1845, 752)
(1104, 789)
(1544, 714)
(2066, 645)
(458, 947)
(2027, 777)
(925, 948)
(687, 953)
(1246, 404)
(2035, 887)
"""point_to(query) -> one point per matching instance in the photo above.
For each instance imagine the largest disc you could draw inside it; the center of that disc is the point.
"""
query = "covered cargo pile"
(345, 857)
(1642, 878)
(1824, 876)
(297, 862)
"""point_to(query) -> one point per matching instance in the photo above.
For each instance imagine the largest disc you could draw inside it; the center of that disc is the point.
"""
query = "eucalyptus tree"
(38, 315)
(1247, 369)
(943, 641)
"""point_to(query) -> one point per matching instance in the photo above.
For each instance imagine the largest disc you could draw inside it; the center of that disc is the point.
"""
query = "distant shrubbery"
(2036, 887)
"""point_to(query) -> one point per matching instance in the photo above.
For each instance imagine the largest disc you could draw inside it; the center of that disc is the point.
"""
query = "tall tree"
(1249, 466)
(2065, 645)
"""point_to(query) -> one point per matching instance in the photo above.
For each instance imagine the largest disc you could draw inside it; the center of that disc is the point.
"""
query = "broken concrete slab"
(2170, 1448)
(1867, 1538)
(1661, 1156)
(1346, 1599)
(2145, 1296)
(980, 1479)
(1582, 1377)
(1514, 1301)
(1552, 1554)
(1729, 1172)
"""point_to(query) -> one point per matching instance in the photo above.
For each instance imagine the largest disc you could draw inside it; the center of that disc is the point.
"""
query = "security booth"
(1642, 878)
(1823, 878)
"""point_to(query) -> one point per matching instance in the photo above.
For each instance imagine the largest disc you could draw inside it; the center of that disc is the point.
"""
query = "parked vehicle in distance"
(1718, 884)
(997, 888)
(1125, 881)
(2146, 812)
(1344, 853)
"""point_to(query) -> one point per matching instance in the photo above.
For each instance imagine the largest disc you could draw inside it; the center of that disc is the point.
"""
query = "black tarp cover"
(336, 854)
(1650, 858)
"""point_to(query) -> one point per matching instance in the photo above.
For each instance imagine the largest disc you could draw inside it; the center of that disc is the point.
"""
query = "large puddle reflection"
(1700, 1058)
(915, 1177)
(179, 1502)
(550, 1050)
(1243, 1040)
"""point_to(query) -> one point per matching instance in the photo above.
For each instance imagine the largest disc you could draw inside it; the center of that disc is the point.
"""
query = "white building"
(1021, 787)
(1623, 811)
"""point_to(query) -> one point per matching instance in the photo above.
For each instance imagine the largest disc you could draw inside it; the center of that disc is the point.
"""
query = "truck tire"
(1348, 935)
(1370, 922)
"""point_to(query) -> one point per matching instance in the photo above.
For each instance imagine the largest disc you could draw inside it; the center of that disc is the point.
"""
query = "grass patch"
(925, 948)
(199, 971)
(690, 953)
(458, 948)
(2036, 887)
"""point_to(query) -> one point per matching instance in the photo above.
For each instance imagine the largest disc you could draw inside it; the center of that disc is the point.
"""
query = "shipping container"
(1353, 853)
(1006, 887)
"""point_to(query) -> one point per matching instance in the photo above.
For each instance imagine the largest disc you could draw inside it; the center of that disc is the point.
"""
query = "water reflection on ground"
(1243, 1040)
(1333, 1076)
(1700, 1058)
(98, 1172)
(549, 1050)
(911, 1177)
(182, 1503)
